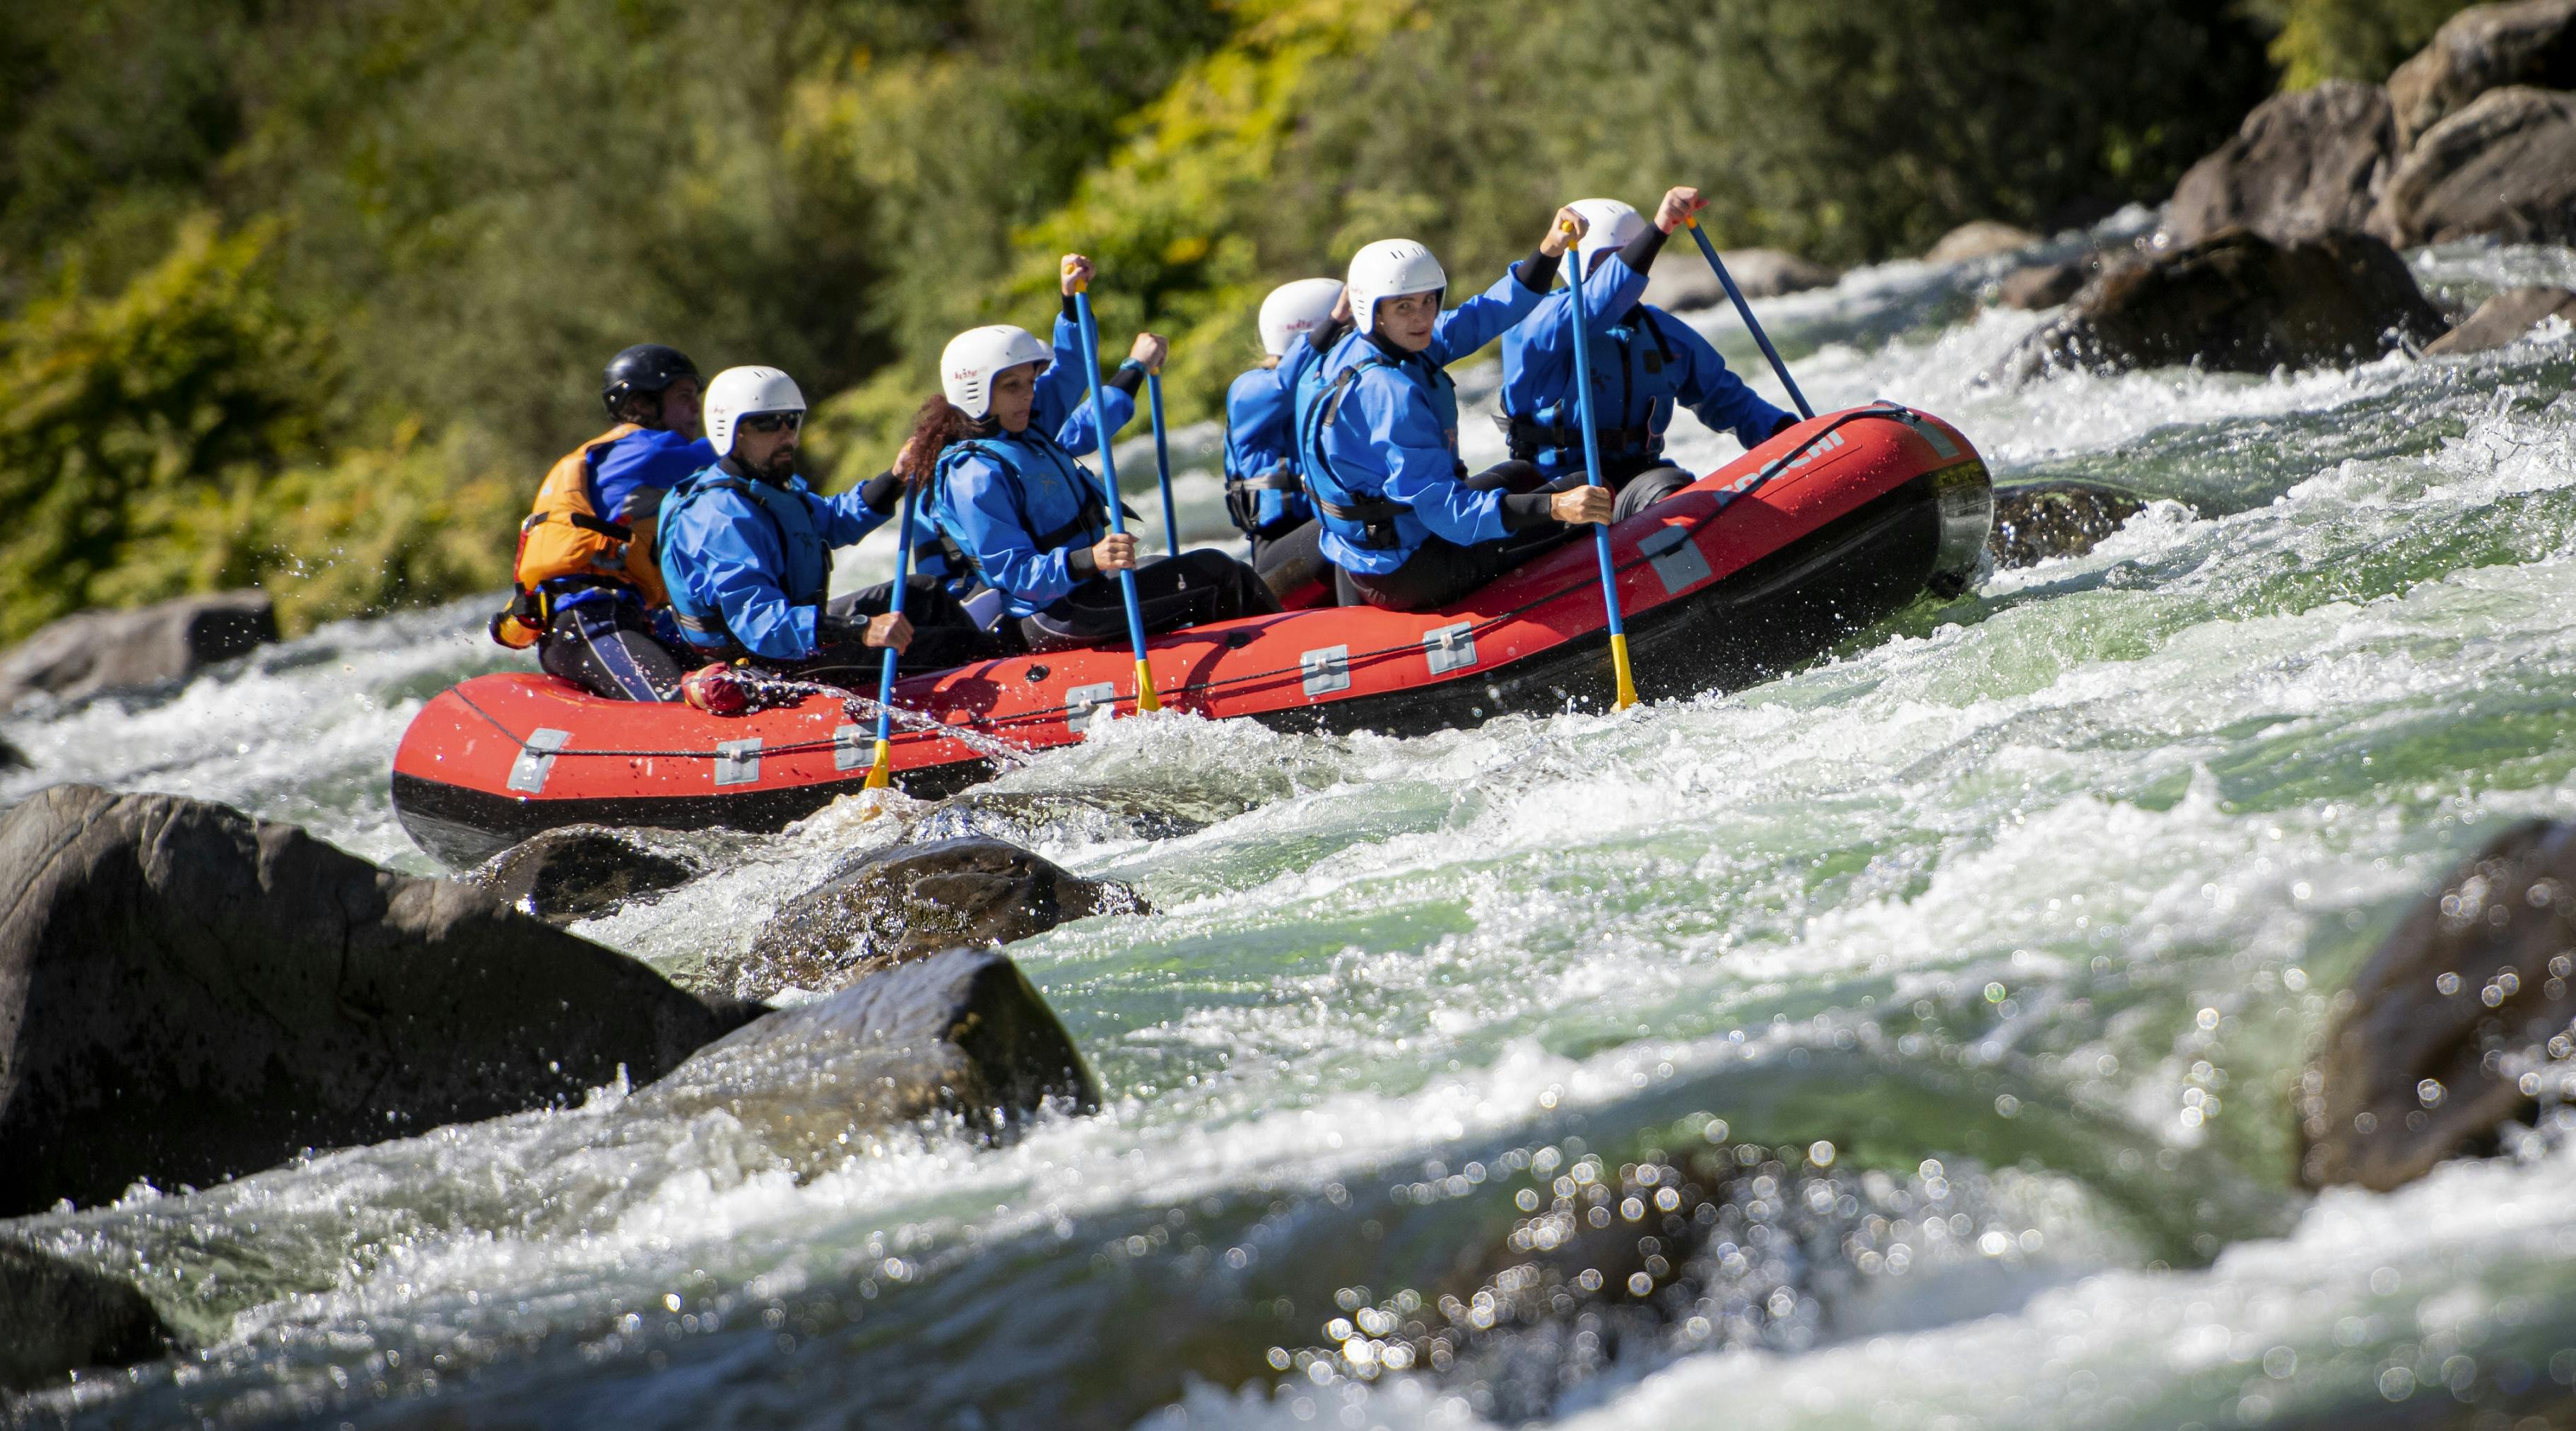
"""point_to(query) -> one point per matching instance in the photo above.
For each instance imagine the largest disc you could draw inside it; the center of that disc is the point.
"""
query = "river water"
(1983, 954)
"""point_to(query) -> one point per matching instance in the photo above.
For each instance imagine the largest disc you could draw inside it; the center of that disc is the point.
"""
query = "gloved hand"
(715, 690)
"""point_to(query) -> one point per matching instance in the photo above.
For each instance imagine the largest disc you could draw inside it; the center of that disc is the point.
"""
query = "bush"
(2364, 40)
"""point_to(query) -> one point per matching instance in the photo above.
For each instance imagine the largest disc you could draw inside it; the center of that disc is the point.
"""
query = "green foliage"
(133, 425)
(2319, 40)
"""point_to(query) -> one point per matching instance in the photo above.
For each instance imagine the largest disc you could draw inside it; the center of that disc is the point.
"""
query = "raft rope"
(928, 725)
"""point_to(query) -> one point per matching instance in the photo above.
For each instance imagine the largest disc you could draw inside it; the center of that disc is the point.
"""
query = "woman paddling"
(1377, 429)
(1030, 521)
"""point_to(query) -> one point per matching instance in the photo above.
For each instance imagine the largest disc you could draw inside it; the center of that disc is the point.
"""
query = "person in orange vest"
(588, 592)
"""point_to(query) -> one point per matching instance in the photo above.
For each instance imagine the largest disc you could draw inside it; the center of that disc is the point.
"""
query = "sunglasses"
(772, 421)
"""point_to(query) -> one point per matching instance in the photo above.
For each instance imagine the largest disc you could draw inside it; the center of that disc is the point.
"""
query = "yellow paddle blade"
(1619, 662)
(1146, 700)
(881, 774)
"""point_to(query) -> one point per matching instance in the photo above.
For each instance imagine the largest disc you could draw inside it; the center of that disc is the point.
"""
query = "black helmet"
(642, 371)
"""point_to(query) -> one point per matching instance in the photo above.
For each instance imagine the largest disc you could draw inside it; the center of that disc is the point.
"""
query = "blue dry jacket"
(750, 562)
(1261, 446)
(629, 476)
(1061, 405)
(1644, 362)
(1019, 507)
(1390, 434)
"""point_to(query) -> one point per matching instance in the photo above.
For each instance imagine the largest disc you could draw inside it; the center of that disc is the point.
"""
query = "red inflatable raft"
(1824, 529)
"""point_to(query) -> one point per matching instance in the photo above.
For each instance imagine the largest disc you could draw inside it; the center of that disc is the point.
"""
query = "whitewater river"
(2004, 931)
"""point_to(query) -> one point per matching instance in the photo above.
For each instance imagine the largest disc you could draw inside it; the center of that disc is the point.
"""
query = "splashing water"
(2001, 934)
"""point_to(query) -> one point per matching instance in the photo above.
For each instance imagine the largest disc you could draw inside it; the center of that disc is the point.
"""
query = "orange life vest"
(565, 537)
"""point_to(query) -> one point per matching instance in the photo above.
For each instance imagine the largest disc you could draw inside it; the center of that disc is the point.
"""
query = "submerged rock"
(579, 872)
(2053, 519)
(2504, 318)
(2238, 302)
(2505, 166)
(188, 994)
(97, 653)
(959, 1034)
(1980, 238)
(913, 901)
(2305, 162)
(2481, 48)
(57, 1318)
(1034, 817)
(2457, 1023)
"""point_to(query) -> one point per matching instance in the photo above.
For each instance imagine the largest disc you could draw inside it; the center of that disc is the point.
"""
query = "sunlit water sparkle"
(2048, 885)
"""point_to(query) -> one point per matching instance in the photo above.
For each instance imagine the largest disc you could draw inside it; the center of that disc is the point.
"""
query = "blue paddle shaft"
(1163, 463)
(1727, 280)
(1108, 462)
(902, 574)
(1592, 438)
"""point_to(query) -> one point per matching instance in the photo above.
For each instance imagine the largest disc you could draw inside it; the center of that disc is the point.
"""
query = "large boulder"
(2504, 318)
(2042, 285)
(2505, 166)
(913, 901)
(2481, 48)
(99, 653)
(57, 1318)
(2455, 1024)
(2239, 302)
(188, 994)
(1980, 238)
(578, 872)
(959, 1035)
(2039, 520)
(2306, 162)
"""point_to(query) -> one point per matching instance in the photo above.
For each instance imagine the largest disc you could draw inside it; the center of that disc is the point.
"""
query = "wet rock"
(2504, 166)
(2504, 318)
(1980, 238)
(2238, 302)
(98, 653)
(960, 1035)
(2052, 519)
(12, 758)
(912, 901)
(1682, 280)
(2455, 1024)
(2481, 48)
(188, 994)
(2306, 162)
(57, 1318)
(2040, 286)
(579, 872)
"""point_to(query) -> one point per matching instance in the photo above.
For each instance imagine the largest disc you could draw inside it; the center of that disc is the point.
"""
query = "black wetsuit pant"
(1441, 571)
(1191, 589)
(608, 649)
(943, 635)
(1292, 561)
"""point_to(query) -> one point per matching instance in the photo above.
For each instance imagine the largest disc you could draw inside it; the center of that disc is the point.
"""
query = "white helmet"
(1609, 226)
(739, 392)
(1391, 268)
(1295, 309)
(972, 359)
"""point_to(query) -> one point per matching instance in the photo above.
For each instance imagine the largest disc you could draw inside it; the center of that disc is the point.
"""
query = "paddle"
(1145, 698)
(1727, 280)
(881, 774)
(1163, 463)
(1592, 477)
